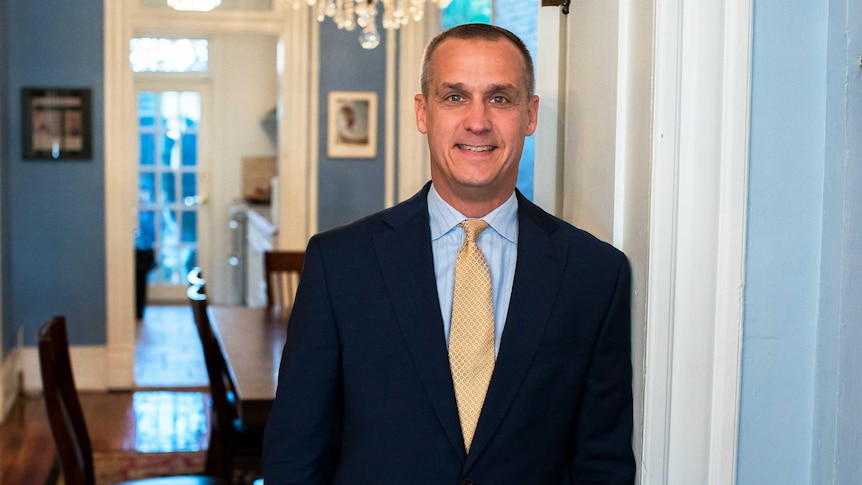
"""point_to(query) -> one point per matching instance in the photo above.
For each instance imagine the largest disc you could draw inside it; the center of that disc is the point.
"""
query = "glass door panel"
(169, 124)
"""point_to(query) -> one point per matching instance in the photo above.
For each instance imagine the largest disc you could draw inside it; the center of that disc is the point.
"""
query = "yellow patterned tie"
(471, 335)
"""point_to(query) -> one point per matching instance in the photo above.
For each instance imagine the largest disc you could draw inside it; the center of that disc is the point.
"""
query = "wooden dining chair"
(231, 440)
(66, 418)
(282, 270)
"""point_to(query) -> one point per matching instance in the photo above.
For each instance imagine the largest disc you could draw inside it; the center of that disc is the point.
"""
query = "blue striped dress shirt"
(499, 245)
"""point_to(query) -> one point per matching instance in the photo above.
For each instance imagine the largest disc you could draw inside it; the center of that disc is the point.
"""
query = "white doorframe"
(298, 133)
(120, 197)
(413, 163)
(691, 253)
(699, 184)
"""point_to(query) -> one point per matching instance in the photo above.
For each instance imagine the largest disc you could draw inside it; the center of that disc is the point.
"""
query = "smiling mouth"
(473, 148)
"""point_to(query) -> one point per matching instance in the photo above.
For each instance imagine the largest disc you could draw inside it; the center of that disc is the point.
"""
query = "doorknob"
(193, 200)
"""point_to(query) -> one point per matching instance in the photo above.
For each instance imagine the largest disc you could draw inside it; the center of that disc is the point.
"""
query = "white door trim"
(732, 222)
(120, 199)
(697, 241)
(413, 163)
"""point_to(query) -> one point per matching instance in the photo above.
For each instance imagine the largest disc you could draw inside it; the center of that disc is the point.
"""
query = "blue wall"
(350, 188)
(787, 245)
(53, 212)
(4, 155)
(802, 369)
(838, 391)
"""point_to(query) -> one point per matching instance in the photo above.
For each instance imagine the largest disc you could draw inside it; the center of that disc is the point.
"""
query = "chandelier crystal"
(350, 14)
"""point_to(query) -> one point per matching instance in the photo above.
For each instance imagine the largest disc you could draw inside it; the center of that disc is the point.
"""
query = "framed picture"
(57, 124)
(352, 124)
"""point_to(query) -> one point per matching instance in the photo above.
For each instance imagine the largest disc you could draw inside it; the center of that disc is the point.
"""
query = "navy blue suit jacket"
(365, 394)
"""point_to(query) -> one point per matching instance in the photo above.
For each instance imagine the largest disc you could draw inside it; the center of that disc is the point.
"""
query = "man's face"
(476, 116)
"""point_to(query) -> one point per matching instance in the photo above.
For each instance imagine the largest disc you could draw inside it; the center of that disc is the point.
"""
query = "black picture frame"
(57, 124)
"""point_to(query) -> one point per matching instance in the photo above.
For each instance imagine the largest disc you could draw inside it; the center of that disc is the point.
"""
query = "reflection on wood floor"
(168, 351)
(169, 413)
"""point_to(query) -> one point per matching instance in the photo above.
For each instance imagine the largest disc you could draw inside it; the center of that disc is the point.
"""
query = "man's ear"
(532, 114)
(421, 109)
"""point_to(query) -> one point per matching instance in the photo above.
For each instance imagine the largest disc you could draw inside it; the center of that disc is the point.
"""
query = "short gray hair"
(477, 32)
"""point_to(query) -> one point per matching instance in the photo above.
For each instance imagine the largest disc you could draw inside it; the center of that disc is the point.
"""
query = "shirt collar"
(443, 217)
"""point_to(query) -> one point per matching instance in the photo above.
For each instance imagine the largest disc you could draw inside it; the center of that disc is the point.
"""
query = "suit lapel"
(406, 261)
(538, 272)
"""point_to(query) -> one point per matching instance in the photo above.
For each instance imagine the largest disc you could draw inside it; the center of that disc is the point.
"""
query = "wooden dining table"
(252, 340)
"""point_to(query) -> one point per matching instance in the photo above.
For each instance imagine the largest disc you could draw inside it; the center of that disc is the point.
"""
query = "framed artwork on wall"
(57, 124)
(352, 124)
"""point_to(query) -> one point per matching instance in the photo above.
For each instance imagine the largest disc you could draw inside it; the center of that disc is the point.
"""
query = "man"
(379, 385)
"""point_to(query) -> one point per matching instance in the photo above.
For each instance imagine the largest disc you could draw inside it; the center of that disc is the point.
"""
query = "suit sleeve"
(603, 440)
(302, 434)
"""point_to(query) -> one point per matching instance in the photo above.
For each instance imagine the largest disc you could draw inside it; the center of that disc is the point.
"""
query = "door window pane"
(190, 188)
(148, 149)
(190, 226)
(167, 194)
(146, 188)
(168, 247)
(167, 148)
(189, 258)
(146, 230)
(190, 149)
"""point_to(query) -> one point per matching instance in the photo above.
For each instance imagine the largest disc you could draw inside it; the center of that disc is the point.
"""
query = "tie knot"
(472, 228)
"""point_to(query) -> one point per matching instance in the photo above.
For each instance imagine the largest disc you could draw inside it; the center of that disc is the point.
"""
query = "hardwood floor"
(168, 413)
(168, 351)
(26, 447)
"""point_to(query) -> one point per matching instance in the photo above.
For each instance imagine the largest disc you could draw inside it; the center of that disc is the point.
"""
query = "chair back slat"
(61, 401)
(282, 270)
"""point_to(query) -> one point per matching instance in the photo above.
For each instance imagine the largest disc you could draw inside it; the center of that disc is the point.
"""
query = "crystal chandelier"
(350, 14)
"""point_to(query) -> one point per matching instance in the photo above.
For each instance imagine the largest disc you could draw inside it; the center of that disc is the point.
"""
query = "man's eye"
(499, 100)
(455, 98)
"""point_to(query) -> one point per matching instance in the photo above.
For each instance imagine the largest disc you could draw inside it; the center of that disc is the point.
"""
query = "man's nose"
(478, 119)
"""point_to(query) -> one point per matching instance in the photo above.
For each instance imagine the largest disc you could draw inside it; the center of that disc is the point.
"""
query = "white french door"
(173, 176)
